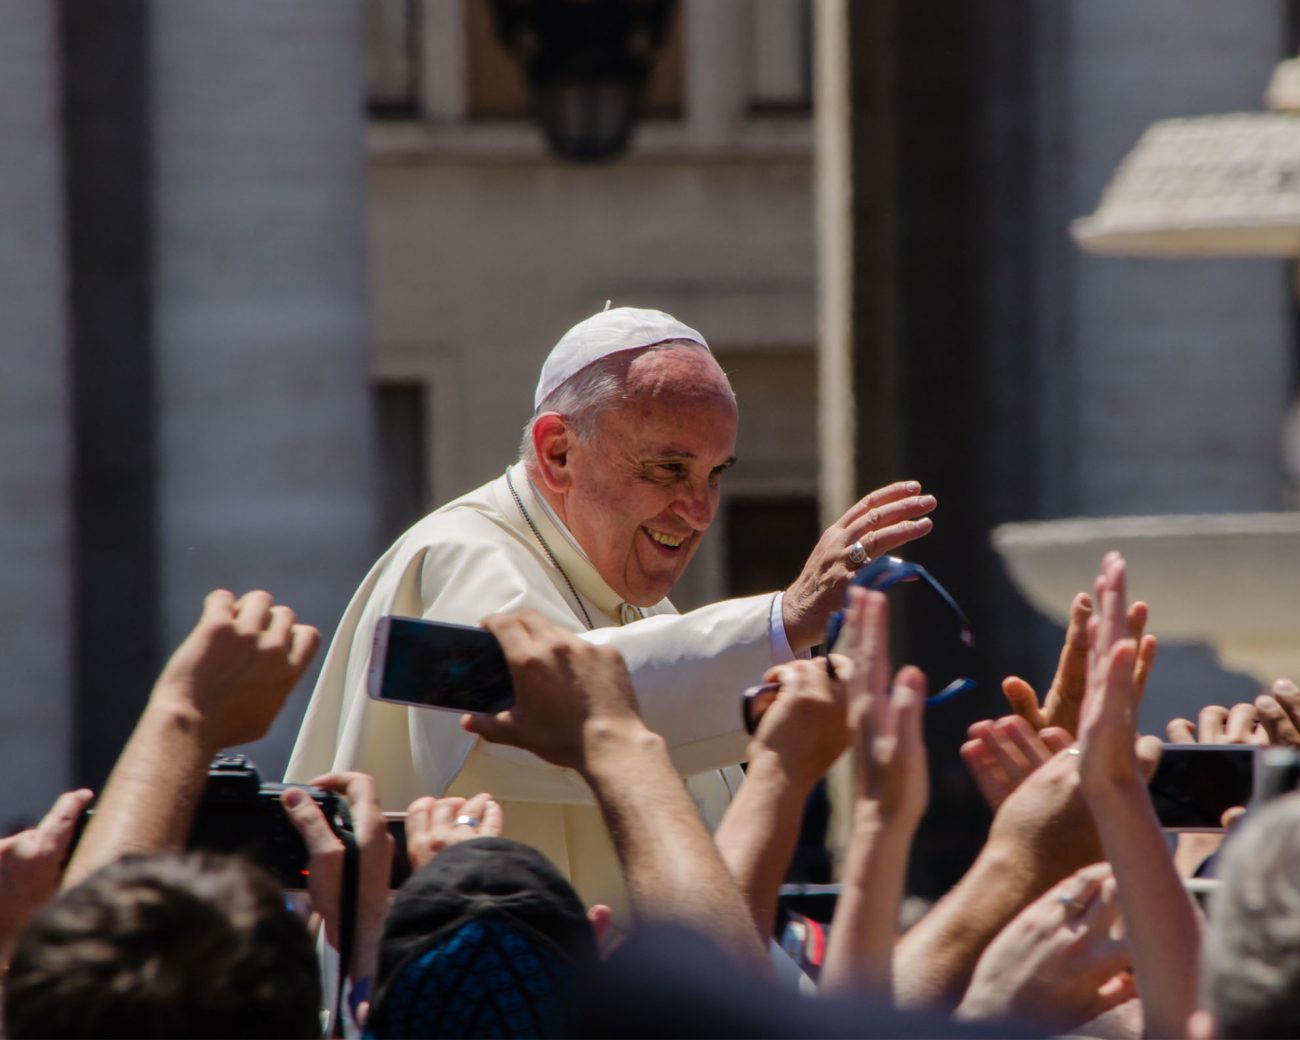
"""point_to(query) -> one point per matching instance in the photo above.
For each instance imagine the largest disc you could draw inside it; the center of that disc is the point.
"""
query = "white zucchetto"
(609, 332)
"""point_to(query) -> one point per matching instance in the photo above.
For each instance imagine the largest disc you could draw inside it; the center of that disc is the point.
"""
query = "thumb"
(1023, 700)
(496, 729)
(1148, 749)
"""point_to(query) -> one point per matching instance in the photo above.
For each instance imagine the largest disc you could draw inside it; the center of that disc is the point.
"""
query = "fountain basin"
(1229, 580)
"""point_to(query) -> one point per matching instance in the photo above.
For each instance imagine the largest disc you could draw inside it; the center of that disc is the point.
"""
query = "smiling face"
(641, 492)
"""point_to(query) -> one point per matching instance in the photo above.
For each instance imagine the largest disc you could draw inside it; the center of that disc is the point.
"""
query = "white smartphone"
(434, 664)
(1196, 783)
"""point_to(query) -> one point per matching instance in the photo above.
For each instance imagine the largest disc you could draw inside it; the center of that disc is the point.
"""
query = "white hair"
(589, 393)
(1251, 966)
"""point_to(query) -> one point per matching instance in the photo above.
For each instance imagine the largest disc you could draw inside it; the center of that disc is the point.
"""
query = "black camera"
(241, 814)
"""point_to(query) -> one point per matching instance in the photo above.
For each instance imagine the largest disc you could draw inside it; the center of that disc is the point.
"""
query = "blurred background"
(277, 277)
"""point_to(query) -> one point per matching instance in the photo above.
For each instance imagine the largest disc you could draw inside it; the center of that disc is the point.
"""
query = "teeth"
(664, 539)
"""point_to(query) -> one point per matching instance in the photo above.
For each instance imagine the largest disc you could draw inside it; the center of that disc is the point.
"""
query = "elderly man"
(619, 478)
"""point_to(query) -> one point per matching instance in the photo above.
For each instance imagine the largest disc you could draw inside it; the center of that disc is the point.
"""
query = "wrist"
(767, 761)
(609, 744)
(1004, 868)
(884, 822)
(1111, 789)
(176, 715)
(798, 633)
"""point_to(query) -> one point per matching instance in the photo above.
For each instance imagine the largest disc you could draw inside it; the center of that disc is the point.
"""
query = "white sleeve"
(689, 671)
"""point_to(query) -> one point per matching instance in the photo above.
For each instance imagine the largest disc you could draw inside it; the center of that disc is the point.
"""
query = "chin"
(649, 596)
(646, 599)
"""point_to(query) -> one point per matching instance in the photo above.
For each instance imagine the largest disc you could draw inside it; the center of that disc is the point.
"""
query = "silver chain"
(547, 549)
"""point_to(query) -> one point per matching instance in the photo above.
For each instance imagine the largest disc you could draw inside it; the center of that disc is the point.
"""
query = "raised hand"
(31, 865)
(568, 691)
(881, 522)
(1002, 752)
(325, 862)
(236, 668)
(1056, 964)
(1108, 718)
(1162, 926)
(1279, 713)
(224, 685)
(892, 787)
(1060, 707)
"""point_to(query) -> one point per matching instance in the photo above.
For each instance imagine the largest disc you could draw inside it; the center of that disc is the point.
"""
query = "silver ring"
(466, 821)
(857, 554)
(1072, 903)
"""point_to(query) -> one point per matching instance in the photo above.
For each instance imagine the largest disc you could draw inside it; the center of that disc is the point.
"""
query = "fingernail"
(293, 797)
(913, 487)
(1284, 686)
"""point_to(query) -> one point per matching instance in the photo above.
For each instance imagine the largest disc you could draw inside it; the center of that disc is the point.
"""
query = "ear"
(552, 440)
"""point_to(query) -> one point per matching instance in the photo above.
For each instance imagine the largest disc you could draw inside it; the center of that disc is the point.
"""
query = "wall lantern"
(588, 62)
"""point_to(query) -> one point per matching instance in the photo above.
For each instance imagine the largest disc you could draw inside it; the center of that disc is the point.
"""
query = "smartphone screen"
(433, 664)
(1196, 783)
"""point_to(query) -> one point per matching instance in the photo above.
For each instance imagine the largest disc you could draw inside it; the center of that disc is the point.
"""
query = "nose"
(697, 505)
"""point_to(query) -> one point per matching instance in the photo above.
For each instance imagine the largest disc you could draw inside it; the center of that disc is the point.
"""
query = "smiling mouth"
(668, 541)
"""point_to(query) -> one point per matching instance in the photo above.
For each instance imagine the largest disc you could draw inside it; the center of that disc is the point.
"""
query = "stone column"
(261, 314)
(36, 614)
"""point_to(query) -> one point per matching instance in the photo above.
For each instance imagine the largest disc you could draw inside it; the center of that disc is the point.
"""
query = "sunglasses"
(884, 572)
(880, 574)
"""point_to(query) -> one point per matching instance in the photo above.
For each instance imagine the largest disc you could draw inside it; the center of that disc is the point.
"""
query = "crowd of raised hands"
(1073, 918)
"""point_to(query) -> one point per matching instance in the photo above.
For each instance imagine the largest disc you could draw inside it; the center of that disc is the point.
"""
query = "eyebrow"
(672, 456)
(675, 454)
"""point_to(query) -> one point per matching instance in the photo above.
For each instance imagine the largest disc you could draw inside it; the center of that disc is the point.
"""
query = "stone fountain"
(1220, 185)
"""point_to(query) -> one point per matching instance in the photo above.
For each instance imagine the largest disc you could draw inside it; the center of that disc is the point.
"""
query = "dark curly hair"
(189, 945)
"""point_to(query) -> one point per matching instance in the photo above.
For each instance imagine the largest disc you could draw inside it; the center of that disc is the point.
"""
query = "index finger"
(219, 604)
(361, 793)
(303, 641)
(881, 496)
(357, 786)
(309, 821)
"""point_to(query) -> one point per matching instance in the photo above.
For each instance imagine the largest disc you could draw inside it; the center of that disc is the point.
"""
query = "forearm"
(672, 869)
(149, 801)
(935, 959)
(1161, 925)
(861, 948)
(758, 834)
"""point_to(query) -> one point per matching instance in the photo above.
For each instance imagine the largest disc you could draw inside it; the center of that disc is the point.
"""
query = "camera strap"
(347, 920)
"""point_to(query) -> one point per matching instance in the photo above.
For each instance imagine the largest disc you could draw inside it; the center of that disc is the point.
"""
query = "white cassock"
(478, 556)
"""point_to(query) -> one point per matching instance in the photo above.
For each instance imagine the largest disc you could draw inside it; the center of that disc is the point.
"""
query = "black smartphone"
(1196, 783)
(433, 664)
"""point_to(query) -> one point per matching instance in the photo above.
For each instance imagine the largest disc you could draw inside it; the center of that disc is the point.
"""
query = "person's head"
(482, 940)
(629, 448)
(1251, 967)
(165, 946)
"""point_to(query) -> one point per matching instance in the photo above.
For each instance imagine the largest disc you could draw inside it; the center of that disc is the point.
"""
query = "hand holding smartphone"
(1195, 784)
(435, 664)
